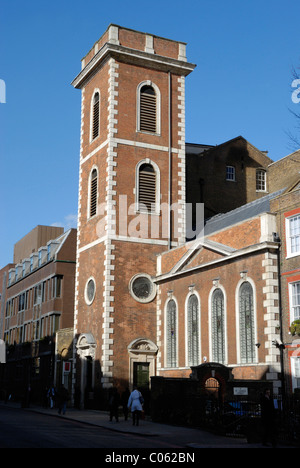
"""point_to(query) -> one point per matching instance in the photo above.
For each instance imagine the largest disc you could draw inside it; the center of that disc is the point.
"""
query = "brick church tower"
(132, 171)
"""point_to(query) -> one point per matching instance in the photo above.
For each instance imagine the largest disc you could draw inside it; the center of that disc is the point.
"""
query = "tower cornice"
(134, 57)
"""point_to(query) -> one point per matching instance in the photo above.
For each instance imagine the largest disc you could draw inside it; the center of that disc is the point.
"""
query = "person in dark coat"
(114, 403)
(268, 417)
(124, 401)
(62, 400)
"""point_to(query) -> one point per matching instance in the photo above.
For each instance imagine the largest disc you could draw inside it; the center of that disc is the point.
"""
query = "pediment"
(142, 346)
(201, 256)
(200, 253)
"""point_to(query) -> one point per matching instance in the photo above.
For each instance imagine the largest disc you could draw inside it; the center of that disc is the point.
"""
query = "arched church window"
(218, 327)
(246, 316)
(148, 109)
(146, 188)
(193, 330)
(171, 334)
(95, 128)
(93, 193)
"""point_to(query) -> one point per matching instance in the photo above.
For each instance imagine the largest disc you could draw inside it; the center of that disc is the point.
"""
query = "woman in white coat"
(135, 403)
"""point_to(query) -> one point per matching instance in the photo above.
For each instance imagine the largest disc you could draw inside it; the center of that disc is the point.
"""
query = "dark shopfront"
(28, 372)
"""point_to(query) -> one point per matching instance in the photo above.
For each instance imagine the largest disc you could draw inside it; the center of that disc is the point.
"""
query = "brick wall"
(206, 176)
(281, 173)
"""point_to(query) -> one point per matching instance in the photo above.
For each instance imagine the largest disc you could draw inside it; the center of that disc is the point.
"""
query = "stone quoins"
(271, 305)
(108, 296)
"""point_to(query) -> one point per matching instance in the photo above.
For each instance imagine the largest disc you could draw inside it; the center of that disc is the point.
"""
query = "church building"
(146, 303)
(132, 170)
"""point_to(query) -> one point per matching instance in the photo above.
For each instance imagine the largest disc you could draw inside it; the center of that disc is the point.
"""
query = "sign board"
(2, 352)
(66, 367)
(240, 390)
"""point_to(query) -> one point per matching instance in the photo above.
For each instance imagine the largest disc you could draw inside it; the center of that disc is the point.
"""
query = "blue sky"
(244, 52)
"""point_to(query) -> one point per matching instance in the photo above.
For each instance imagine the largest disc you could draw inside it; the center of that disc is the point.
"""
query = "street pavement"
(192, 438)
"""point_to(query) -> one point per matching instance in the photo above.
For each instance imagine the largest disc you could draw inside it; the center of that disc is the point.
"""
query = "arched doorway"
(212, 387)
(86, 348)
(142, 358)
(142, 366)
(213, 378)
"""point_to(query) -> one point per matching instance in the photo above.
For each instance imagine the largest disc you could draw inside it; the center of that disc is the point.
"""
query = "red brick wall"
(229, 277)
(136, 40)
(240, 236)
(90, 316)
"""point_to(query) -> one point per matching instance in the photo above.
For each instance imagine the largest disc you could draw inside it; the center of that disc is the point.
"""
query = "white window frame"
(158, 107)
(295, 371)
(291, 305)
(263, 171)
(288, 220)
(230, 173)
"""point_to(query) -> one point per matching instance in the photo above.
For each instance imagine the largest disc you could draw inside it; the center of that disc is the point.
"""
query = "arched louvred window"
(247, 332)
(193, 330)
(93, 192)
(148, 108)
(146, 188)
(171, 334)
(96, 116)
(218, 327)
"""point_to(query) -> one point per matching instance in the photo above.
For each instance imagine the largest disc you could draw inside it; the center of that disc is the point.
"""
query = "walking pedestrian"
(124, 401)
(268, 417)
(135, 402)
(62, 399)
(114, 403)
(51, 396)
